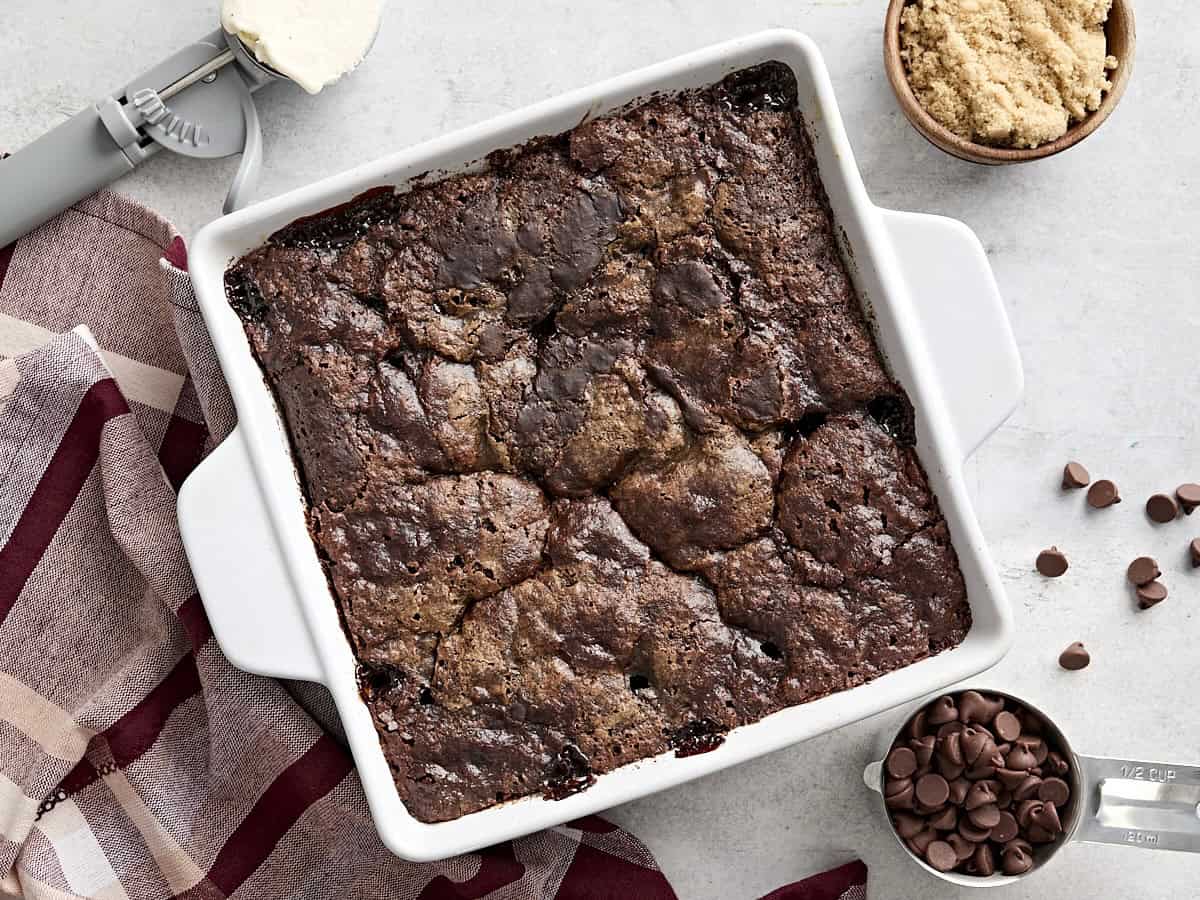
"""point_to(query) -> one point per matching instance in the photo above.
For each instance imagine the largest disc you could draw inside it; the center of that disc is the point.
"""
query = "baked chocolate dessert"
(600, 454)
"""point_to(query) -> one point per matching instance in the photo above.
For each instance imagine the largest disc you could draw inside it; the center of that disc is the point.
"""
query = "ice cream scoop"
(312, 42)
(195, 103)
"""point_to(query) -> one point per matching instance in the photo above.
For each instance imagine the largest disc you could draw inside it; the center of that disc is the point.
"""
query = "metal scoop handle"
(63, 166)
(185, 104)
(1154, 806)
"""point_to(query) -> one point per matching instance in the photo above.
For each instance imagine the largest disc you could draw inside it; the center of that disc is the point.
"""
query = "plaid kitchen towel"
(135, 761)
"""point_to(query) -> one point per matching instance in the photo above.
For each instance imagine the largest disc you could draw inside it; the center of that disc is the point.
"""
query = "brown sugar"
(1012, 73)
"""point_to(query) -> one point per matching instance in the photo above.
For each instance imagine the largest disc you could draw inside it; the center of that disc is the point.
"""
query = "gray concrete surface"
(1097, 253)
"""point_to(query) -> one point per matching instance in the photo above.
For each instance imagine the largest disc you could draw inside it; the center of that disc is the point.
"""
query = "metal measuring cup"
(1114, 800)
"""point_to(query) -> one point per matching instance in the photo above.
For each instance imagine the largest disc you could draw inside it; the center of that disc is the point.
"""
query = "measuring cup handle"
(1152, 805)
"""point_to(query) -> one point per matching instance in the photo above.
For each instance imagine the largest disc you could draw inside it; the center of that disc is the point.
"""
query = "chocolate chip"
(1027, 789)
(942, 711)
(946, 820)
(1020, 756)
(1151, 594)
(949, 728)
(1045, 815)
(981, 794)
(1054, 790)
(1188, 496)
(1194, 547)
(950, 748)
(1025, 810)
(1038, 746)
(982, 862)
(1162, 508)
(933, 790)
(908, 826)
(1103, 494)
(923, 749)
(962, 847)
(1011, 778)
(976, 745)
(1142, 570)
(1008, 726)
(971, 831)
(1006, 829)
(1056, 764)
(1040, 835)
(1015, 860)
(1074, 658)
(899, 794)
(985, 816)
(1052, 563)
(1001, 809)
(959, 788)
(916, 728)
(974, 707)
(1075, 476)
(901, 762)
(941, 856)
(921, 841)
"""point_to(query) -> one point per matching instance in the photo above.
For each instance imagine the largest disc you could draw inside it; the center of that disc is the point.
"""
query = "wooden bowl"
(1122, 37)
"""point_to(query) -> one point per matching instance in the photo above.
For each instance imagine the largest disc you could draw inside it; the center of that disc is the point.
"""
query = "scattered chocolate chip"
(941, 856)
(1142, 570)
(1162, 508)
(933, 790)
(1054, 790)
(1151, 594)
(1194, 546)
(1188, 496)
(1052, 563)
(1103, 494)
(1075, 476)
(1075, 657)
(901, 762)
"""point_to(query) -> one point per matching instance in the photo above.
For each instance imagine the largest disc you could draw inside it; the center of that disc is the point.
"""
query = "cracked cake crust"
(600, 456)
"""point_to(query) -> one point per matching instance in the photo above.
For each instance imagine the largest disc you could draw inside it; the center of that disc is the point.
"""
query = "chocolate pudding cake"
(600, 455)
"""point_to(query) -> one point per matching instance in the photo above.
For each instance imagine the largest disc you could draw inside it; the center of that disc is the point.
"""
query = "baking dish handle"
(239, 570)
(962, 316)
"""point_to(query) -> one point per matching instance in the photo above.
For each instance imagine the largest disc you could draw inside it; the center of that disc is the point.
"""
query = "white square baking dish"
(939, 321)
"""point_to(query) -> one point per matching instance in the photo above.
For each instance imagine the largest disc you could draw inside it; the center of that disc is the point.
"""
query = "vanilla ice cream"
(312, 42)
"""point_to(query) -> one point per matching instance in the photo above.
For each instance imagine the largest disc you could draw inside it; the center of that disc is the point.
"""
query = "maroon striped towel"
(135, 762)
